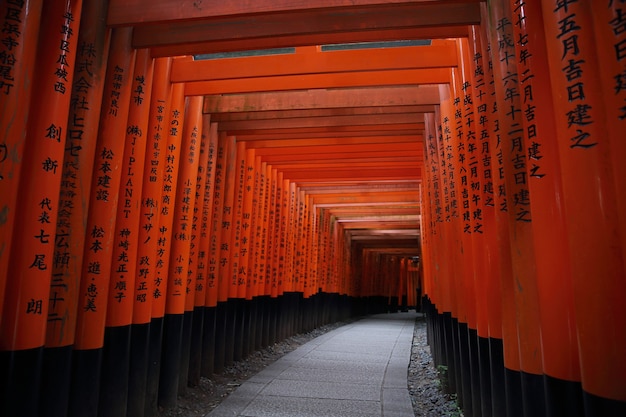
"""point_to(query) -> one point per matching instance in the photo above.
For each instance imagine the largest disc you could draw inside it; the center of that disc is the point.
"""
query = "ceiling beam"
(316, 81)
(275, 42)
(326, 121)
(134, 12)
(381, 96)
(313, 61)
(175, 28)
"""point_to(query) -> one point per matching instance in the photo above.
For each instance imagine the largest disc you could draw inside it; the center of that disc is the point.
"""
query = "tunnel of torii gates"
(171, 203)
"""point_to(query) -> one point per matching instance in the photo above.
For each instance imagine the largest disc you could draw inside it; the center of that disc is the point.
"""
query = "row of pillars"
(524, 226)
(141, 247)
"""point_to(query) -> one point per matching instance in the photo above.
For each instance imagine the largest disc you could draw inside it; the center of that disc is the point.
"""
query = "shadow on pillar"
(195, 348)
(56, 380)
(185, 352)
(220, 337)
(154, 366)
(208, 341)
(170, 359)
(115, 370)
(238, 327)
(138, 374)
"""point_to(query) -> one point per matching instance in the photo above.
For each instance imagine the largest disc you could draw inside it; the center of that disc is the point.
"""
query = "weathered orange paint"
(306, 81)
(78, 165)
(169, 182)
(106, 178)
(589, 196)
(180, 284)
(26, 302)
(226, 288)
(558, 322)
(128, 293)
(317, 62)
(153, 173)
(15, 94)
(206, 182)
(248, 224)
(217, 197)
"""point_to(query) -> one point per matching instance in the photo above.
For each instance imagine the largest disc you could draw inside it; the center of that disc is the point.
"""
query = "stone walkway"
(359, 370)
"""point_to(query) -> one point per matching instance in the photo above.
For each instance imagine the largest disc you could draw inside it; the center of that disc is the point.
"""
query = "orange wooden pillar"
(237, 282)
(516, 172)
(244, 277)
(226, 287)
(504, 353)
(204, 187)
(610, 41)
(81, 136)
(270, 253)
(452, 243)
(217, 292)
(467, 182)
(189, 226)
(274, 280)
(257, 259)
(207, 244)
(116, 392)
(489, 307)
(251, 209)
(167, 224)
(432, 204)
(558, 323)
(195, 156)
(173, 374)
(585, 147)
(260, 269)
(100, 226)
(32, 212)
(431, 209)
(477, 152)
(284, 288)
(291, 258)
(22, 20)
(149, 330)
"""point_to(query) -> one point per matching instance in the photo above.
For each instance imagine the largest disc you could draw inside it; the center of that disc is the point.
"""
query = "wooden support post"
(78, 162)
(38, 157)
(202, 213)
(452, 245)
(216, 292)
(206, 243)
(168, 377)
(590, 201)
(610, 41)
(22, 20)
(180, 299)
(226, 287)
(237, 286)
(123, 293)
(96, 264)
(243, 277)
(558, 323)
(466, 173)
(488, 284)
(147, 280)
(173, 374)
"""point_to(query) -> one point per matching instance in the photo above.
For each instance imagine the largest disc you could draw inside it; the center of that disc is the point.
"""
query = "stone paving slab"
(359, 370)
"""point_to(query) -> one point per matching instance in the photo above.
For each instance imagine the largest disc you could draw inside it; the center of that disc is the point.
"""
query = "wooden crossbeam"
(174, 28)
(322, 121)
(314, 81)
(379, 97)
(314, 61)
(352, 140)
